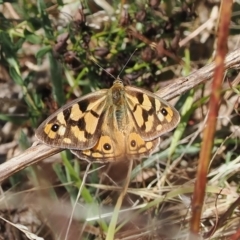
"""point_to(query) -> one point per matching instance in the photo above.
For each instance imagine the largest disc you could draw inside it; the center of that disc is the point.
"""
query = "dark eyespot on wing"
(164, 112)
(107, 147)
(55, 127)
(133, 143)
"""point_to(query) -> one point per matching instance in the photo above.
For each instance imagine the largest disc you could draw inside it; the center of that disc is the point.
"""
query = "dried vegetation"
(50, 53)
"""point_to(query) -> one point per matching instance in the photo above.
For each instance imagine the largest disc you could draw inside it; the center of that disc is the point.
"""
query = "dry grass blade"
(24, 229)
(113, 223)
(222, 220)
(166, 47)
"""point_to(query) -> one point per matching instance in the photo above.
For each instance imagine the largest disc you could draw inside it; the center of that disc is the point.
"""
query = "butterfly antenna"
(127, 62)
(95, 61)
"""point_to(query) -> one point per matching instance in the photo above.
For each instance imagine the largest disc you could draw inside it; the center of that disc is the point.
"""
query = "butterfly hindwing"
(138, 148)
(107, 148)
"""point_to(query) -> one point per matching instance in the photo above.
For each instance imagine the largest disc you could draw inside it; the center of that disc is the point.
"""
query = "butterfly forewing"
(152, 115)
(77, 125)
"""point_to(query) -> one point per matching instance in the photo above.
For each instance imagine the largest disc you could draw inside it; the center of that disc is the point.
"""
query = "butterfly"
(122, 122)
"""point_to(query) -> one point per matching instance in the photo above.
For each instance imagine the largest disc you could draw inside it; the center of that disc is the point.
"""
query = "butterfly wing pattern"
(76, 125)
(152, 115)
(111, 124)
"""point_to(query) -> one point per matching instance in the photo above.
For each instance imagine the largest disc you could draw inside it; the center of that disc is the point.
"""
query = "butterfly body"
(110, 124)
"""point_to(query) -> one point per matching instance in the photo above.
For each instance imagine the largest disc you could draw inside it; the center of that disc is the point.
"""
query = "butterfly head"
(118, 83)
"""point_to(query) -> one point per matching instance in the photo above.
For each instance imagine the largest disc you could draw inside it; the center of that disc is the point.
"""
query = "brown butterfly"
(122, 122)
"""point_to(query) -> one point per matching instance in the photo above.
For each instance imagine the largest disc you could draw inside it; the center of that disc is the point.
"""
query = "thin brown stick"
(179, 86)
(29, 157)
(183, 84)
(209, 131)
